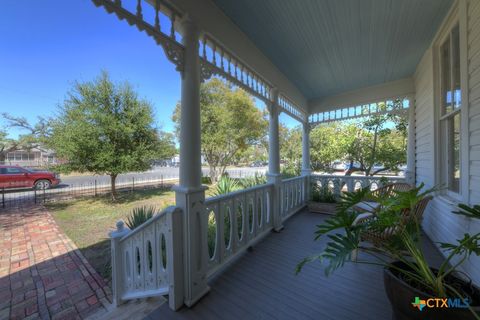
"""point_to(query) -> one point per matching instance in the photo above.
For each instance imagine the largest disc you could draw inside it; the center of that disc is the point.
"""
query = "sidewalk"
(42, 273)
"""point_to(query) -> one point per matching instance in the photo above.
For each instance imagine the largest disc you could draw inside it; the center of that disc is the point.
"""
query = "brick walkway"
(42, 273)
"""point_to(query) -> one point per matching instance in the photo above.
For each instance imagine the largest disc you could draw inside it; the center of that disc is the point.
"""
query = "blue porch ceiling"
(327, 47)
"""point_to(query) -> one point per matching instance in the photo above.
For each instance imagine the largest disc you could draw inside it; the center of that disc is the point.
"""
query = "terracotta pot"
(321, 207)
(402, 295)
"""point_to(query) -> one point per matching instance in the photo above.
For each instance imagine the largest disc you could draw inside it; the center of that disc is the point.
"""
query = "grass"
(88, 221)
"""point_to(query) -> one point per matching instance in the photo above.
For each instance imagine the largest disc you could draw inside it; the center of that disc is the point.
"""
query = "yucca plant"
(140, 215)
(225, 185)
(404, 247)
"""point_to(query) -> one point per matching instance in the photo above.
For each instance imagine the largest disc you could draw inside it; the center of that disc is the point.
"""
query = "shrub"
(139, 216)
(322, 194)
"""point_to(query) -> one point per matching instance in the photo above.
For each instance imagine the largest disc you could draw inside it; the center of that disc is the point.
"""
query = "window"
(451, 104)
(13, 171)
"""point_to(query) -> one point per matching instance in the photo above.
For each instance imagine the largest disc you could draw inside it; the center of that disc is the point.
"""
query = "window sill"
(450, 199)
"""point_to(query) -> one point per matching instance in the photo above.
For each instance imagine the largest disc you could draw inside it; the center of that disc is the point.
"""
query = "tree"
(167, 148)
(290, 141)
(379, 139)
(230, 123)
(328, 142)
(105, 128)
(33, 138)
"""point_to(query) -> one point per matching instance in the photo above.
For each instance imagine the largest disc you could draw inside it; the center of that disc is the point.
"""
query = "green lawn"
(88, 221)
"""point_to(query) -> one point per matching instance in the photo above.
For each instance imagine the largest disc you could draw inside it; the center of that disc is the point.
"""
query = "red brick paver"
(42, 273)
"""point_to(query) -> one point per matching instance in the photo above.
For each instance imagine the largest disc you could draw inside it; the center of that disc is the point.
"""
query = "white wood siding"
(439, 223)
(424, 120)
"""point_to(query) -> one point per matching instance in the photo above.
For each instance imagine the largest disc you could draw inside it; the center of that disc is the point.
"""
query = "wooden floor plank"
(262, 283)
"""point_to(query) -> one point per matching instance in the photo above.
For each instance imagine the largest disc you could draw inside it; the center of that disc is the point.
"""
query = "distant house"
(35, 157)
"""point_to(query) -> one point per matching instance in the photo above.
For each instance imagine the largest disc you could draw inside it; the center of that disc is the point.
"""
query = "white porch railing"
(339, 184)
(293, 196)
(148, 260)
(144, 260)
(235, 222)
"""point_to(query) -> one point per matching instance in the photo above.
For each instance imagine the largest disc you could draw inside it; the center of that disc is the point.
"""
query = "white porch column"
(190, 194)
(306, 171)
(273, 174)
(410, 172)
(306, 149)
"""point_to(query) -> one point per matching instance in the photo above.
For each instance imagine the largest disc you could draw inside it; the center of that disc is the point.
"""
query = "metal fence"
(18, 197)
(101, 186)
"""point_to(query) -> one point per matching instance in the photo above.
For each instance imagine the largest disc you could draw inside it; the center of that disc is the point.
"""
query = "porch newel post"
(190, 194)
(410, 172)
(274, 160)
(306, 171)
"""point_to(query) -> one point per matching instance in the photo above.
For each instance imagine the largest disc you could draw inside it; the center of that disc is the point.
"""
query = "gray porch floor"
(262, 283)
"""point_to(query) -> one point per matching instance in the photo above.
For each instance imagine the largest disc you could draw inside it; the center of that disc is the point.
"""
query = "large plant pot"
(322, 207)
(402, 295)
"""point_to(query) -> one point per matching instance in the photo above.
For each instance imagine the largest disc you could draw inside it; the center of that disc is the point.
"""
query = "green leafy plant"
(226, 185)
(139, 216)
(322, 194)
(345, 238)
(253, 181)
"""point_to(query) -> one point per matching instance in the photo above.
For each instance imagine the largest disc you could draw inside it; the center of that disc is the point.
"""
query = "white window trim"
(457, 15)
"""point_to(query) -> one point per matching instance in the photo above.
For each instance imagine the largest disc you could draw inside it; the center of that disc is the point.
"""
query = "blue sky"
(46, 45)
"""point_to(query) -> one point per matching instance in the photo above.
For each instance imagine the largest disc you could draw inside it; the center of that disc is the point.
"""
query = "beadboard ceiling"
(327, 47)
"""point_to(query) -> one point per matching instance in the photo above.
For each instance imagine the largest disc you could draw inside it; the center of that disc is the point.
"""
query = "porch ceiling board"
(211, 20)
(329, 47)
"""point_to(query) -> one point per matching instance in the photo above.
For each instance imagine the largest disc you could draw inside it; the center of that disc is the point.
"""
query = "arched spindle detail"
(229, 65)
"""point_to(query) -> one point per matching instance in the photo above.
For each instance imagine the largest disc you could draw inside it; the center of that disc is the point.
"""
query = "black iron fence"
(18, 197)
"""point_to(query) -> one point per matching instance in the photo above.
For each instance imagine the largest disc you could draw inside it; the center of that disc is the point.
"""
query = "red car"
(18, 177)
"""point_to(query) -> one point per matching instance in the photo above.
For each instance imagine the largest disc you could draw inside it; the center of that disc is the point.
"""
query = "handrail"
(357, 177)
(236, 193)
(293, 179)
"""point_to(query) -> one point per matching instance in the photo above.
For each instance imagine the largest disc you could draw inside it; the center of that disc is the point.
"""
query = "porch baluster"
(157, 17)
(139, 9)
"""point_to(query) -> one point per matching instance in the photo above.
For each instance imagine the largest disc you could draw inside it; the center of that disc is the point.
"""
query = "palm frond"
(339, 250)
(470, 212)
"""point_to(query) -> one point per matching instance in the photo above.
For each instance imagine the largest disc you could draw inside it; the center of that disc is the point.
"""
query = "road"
(156, 173)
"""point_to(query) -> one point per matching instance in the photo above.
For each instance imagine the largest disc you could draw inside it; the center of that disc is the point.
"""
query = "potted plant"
(322, 199)
(414, 288)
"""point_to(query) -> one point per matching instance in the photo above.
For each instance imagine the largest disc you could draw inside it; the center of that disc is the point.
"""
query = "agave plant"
(253, 181)
(345, 238)
(225, 185)
(139, 216)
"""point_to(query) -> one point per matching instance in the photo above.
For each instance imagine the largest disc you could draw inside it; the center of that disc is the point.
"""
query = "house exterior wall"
(440, 223)
(33, 158)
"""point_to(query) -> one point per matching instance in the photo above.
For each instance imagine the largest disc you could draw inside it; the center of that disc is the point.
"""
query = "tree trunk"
(113, 177)
(213, 174)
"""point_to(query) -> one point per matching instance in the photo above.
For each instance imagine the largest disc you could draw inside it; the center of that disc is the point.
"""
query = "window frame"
(446, 137)
(456, 16)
